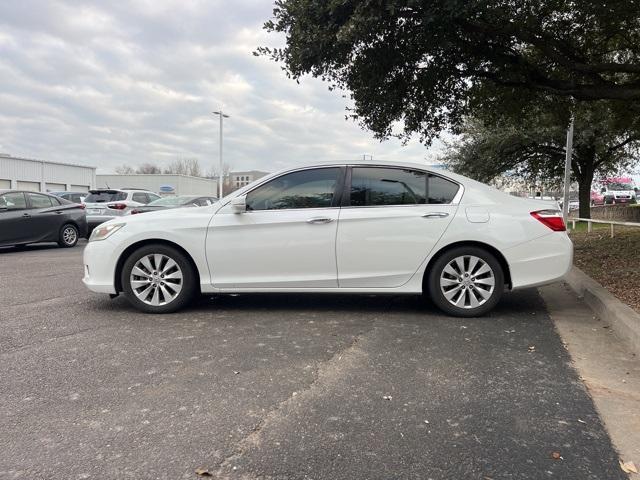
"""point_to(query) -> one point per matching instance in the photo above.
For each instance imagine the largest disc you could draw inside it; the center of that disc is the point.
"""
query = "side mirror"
(239, 204)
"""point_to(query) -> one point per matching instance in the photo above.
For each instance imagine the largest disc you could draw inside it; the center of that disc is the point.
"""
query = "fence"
(591, 221)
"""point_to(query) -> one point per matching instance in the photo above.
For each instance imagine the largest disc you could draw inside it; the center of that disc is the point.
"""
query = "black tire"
(186, 269)
(68, 236)
(438, 297)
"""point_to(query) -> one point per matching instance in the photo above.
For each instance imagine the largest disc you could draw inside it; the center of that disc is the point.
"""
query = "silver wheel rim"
(156, 279)
(69, 235)
(467, 282)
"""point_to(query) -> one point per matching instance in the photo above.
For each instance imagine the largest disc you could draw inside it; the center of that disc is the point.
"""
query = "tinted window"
(304, 189)
(39, 201)
(387, 186)
(101, 197)
(140, 198)
(13, 201)
(441, 190)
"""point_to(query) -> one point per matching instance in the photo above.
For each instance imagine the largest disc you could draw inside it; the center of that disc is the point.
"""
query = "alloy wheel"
(156, 279)
(467, 281)
(69, 235)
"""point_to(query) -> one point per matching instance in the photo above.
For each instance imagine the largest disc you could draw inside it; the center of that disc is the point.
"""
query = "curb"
(624, 321)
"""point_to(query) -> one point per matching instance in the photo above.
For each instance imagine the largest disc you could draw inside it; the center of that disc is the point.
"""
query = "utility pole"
(567, 171)
(222, 116)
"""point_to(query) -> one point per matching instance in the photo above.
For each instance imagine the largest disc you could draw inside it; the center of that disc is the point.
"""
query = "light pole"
(222, 116)
(567, 172)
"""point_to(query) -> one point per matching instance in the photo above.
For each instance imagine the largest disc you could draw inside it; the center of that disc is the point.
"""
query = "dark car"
(30, 217)
(176, 201)
(75, 197)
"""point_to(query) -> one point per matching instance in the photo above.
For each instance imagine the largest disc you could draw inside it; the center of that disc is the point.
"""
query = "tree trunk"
(584, 191)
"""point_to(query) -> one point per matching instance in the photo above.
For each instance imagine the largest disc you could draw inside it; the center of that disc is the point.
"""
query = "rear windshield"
(105, 197)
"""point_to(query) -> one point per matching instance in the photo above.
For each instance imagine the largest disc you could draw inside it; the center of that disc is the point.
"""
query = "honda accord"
(357, 227)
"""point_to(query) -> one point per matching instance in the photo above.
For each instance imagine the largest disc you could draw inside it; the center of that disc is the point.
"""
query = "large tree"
(528, 142)
(420, 62)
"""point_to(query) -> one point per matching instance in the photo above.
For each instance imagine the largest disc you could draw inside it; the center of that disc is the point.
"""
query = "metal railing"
(591, 221)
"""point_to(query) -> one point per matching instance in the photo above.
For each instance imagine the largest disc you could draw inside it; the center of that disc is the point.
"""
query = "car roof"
(117, 190)
(25, 191)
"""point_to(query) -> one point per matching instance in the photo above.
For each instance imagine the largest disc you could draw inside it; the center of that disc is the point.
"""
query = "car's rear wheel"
(68, 236)
(158, 279)
(466, 282)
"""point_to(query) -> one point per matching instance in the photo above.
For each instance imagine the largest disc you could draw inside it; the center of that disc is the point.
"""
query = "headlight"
(105, 231)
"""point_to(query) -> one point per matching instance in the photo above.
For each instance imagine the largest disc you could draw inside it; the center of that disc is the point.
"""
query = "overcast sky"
(106, 83)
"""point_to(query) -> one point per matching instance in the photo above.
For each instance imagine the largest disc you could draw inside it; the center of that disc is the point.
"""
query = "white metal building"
(240, 179)
(43, 176)
(162, 183)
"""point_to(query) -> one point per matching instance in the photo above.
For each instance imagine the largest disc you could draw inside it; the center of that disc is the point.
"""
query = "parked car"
(618, 192)
(354, 228)
(75, 197)
(176, 201)
(105, 203)
(596, 198)
(30, 217)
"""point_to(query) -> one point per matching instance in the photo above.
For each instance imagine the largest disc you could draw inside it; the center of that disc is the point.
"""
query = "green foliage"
(531, 144)
(426, 64)
(528, 143)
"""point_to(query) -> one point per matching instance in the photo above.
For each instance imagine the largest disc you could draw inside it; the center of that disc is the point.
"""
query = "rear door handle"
(319, 220)
(435, 215)
(26, 215)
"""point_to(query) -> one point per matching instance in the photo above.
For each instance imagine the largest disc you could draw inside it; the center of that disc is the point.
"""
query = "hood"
(165, 214)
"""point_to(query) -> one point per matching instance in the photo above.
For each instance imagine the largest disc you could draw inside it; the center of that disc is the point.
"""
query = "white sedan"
(357, 227)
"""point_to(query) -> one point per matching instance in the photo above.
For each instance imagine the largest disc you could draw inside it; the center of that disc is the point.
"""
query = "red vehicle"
(596, 198)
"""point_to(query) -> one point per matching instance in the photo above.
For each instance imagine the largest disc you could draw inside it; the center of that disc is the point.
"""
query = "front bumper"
(99, 260)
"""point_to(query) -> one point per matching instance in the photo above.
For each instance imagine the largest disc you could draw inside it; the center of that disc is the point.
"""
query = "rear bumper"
(94, 220)
(541, 261)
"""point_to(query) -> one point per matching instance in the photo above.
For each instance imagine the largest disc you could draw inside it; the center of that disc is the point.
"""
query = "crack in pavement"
(326, 374)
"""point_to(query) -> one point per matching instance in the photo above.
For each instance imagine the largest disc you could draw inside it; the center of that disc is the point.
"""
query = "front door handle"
(319, 220)
(26, 215)
(435, 215)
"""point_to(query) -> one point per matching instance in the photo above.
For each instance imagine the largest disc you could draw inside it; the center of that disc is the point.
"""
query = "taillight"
(551, 218)
(117, 206)
(81, 205)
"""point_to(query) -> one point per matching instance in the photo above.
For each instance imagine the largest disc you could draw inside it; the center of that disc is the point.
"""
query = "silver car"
(107, 203)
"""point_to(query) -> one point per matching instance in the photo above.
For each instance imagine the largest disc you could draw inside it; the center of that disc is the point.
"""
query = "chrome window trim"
(456, 199)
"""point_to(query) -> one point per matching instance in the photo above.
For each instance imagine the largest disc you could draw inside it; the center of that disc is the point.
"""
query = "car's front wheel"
(68, 236)
(158, 279)
(466, 282)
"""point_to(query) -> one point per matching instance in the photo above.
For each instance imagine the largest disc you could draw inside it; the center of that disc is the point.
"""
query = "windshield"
(620, 186)
(101, 197)
(170, 201)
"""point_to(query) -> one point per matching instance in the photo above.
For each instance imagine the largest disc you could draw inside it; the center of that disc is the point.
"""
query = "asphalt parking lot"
(282, 387)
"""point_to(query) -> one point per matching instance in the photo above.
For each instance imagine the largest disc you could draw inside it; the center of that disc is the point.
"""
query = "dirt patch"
(613, 262)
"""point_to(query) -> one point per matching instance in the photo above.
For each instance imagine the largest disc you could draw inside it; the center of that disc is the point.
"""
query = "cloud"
(108, 83)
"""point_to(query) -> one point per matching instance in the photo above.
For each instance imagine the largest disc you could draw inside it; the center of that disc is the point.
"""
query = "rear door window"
(39, 201)
(441, 190)
(103, 197)
(372, 186)
(140, 197)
